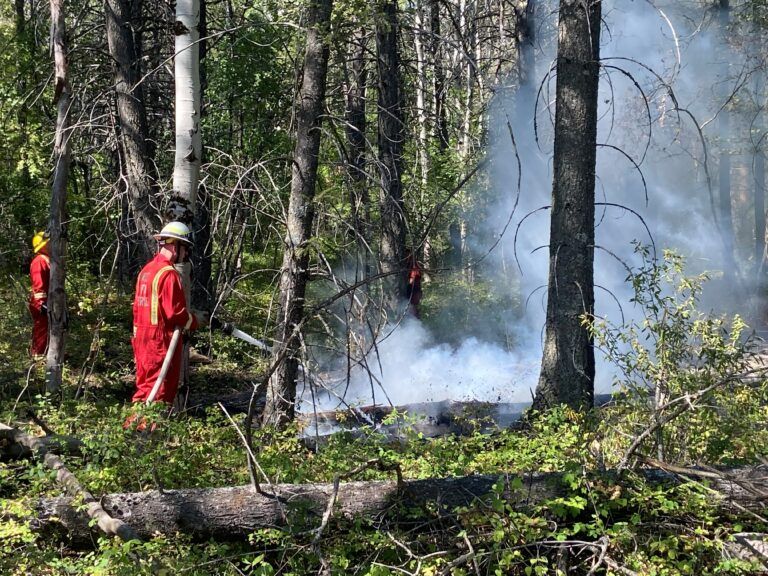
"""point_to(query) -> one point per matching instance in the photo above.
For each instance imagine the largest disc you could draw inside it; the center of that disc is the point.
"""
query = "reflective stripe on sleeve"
(39, 295)
(155, 296)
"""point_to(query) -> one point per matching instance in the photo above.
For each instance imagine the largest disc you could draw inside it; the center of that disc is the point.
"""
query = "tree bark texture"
(57, 301)
(568, 363)
(186, 169)
(202, 256)
(138, 167)
(356, 144)
(390, 139)
(234, 512)
(281, 391)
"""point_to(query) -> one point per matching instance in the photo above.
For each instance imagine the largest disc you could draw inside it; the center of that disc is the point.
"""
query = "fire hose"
(166, 365)
(216, 324)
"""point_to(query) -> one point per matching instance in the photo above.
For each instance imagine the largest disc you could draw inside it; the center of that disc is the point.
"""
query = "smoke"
(409, 366)
(667, 73)
(666, 69)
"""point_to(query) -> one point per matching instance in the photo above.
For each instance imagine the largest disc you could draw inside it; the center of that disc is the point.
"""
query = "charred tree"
(281, 390)
(568, 363)
(390, 142)
(139, 175)
(57, 301)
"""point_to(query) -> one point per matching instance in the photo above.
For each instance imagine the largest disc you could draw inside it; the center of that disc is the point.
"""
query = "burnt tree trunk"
(568, 363)
(281, 391)
(57, 301)
(137, 166)
(390, 143)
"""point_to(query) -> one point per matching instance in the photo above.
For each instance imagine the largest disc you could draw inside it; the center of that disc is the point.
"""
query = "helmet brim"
(160, 237)
(40, 246)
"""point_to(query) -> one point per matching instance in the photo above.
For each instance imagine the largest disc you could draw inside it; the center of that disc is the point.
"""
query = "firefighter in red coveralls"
(40, 275)
(159, 307)
(413, 283)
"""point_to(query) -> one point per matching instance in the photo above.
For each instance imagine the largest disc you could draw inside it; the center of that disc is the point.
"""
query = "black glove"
(215, 323)
(44, 308)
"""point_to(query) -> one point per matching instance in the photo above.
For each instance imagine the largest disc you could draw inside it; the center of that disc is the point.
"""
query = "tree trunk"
(724, 166)
(390, 144)
(138, 167)
(186, 169)
(235, 512)
(356, 142)
(57, 302)
(568, 363)
(421, 95)
(760, 275)
(525, 39)
(202, 256)
(281, 391)
(441, 118)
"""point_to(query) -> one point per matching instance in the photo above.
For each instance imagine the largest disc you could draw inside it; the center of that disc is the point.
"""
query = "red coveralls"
(40, 274)
(159, 306)
(413, 288)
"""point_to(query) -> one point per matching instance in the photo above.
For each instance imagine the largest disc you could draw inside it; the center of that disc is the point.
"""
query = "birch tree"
(281, 390)
(568, 363)
(186, 168)
(57, 302)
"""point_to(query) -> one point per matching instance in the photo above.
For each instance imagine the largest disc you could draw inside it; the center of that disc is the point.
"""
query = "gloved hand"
(44, 308)
(215, 323)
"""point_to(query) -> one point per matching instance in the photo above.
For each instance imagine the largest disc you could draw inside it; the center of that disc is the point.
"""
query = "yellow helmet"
(39, 240)
(174, 232)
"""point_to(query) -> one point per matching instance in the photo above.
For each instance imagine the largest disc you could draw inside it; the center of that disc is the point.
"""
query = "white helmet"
(174, 232)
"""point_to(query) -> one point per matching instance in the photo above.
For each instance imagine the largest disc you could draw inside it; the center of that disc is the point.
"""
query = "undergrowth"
(590, 517)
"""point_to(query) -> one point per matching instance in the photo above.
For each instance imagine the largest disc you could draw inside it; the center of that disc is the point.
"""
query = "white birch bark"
(186, 169)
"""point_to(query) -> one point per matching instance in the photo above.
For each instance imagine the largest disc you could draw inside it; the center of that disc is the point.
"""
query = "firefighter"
(413, 283)
(159, 308)
(40, 275)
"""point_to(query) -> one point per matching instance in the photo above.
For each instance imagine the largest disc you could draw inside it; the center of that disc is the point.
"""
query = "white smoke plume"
(666, 68)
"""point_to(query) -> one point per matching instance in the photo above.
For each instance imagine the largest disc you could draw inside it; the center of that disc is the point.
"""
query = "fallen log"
(234, 512)
(10, 449)
(37, 447)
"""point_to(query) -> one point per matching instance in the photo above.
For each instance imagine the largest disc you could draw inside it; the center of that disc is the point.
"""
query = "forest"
(423, 287)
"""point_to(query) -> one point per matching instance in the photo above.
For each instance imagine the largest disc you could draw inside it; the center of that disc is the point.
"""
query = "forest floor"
(594, 522)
